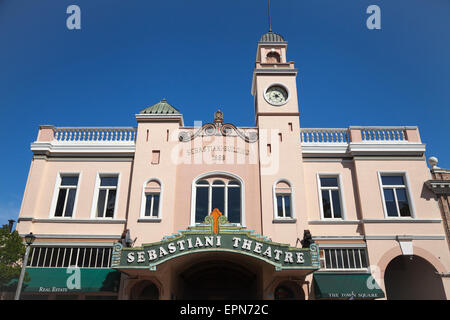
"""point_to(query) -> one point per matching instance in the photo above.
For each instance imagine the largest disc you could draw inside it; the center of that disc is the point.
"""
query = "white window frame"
(208, 175)
(97, 191)
(275, 203)
(346, 247)
(142, 215)
(56, 193)
(340, 188)
(152, 203)
(408, 194)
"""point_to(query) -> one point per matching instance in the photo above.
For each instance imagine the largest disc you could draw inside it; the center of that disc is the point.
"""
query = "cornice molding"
(400, 148)
(379, 237)
(333, 222)
(401, 220)
(65, 220)
(100, 148)
(75, 236)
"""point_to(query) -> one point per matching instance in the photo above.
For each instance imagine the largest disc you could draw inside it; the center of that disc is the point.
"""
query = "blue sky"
(199, 55)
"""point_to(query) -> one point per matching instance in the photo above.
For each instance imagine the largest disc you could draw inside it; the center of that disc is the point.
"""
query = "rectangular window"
(66, 196)
(155, 156)
(63, 257)
(395, 196)
(283, 206)
(218, 198)
(331, 199)
(106, 200)
(201, 204)
(234, 204)
(151, 205)
(343, 258)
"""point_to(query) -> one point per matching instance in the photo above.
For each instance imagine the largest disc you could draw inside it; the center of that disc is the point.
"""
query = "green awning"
(336, 285)
(63, 280)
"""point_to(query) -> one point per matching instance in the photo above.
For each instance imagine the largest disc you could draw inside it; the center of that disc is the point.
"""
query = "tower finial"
(270, 26)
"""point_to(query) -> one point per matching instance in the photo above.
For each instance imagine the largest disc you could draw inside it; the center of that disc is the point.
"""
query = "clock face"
(276, 95)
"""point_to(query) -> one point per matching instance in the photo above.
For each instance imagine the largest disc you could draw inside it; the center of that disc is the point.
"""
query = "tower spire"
(270, 26)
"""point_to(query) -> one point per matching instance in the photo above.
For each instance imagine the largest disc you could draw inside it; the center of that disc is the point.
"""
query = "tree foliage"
(12, 251)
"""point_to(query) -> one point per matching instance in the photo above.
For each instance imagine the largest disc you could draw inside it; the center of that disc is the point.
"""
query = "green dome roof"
(162, 107)
(271, 37)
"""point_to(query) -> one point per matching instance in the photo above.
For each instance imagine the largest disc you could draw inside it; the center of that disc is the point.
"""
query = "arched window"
(151, 202)
(273, 57)
(283, 200)
(283, 293)
(221, 192)
(144, 290)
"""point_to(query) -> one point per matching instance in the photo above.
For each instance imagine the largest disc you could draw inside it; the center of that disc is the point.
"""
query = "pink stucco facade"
(284, 156)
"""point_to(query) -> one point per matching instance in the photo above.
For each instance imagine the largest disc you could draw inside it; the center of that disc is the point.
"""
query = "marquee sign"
(216, 234)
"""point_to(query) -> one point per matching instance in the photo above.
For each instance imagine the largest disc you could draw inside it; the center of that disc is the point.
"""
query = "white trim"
(144, 199)
(56, 193)
(74, 236)
(418, 237)
(334, 221)
(118, 147)
(401, 220)
(408, 194)
(342, 245)
(211, 174)
(59, 220)
(376, 237)
(365, 148)
(323, 148)
(275, 204)
(340, 187)
(96, 192)
(393, 147)
(338, 238)
(73, 244)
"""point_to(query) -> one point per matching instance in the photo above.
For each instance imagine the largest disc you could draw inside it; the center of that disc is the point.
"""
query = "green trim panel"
(62, 280)
(216, 236)
(346, 286)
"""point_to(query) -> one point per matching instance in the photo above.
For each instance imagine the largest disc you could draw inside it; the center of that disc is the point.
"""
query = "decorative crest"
(218, 128)
(218, 116)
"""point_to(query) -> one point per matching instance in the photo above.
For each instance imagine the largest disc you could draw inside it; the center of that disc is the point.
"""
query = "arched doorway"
(289, 290)
(218, 280)
(412, 278)
(145, 290)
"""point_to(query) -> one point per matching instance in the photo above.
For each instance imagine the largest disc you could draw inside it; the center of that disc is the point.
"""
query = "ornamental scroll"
(218, 128)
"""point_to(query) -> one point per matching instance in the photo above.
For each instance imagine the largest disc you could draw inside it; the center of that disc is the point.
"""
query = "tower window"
(151, 202)
(273, 57)
(283, 200)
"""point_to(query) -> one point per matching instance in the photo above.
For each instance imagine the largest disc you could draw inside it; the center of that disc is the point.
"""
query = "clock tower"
(274, 78)
(274, 90)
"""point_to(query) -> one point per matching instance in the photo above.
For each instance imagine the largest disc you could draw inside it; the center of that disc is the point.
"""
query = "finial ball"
(433, 161)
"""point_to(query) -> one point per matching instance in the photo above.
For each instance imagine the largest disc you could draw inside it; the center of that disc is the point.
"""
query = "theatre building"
(214, 211)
